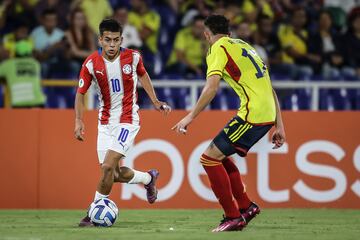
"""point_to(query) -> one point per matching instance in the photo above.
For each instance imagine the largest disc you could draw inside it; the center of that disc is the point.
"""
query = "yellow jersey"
(95, 11)
(241, 67)
(288, 38)
(191, 47)
(150, 20)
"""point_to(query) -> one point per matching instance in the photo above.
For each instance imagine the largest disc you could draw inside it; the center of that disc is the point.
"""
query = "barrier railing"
(315, 86)
(194, 85)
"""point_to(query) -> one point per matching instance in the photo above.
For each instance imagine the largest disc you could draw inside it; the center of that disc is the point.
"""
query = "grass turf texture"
(187, 224)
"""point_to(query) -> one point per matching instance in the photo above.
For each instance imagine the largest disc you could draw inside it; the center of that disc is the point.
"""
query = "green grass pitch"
(274, 224)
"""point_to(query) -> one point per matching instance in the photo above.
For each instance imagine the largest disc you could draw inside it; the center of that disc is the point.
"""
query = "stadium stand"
(301, 41)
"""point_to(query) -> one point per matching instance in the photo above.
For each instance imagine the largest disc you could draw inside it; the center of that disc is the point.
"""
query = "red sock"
(237, 185)
(220, 184)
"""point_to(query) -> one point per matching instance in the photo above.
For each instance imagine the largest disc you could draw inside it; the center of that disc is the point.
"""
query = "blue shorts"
(238, 136)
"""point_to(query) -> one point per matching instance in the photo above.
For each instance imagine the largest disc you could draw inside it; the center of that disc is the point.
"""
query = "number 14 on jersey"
(250, 54)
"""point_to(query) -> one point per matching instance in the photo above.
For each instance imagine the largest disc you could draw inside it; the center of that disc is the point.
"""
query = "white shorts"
(117, 137)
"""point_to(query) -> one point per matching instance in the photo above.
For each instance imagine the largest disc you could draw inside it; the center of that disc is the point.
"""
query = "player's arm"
(278, 137)
(84, 84)
(149, 89)
(208, 93)
(216, 61)
(79, 113)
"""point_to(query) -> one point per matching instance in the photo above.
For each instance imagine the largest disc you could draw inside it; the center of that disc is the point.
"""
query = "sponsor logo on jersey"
(101, 72)
(127, 69)
(81, 83)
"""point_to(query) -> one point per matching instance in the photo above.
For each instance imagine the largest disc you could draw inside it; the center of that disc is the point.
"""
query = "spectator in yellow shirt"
(94, 10)
(294, 40)
(21, 33)
(147, 22)
(186, 61)
(189, 50)
(253, 8)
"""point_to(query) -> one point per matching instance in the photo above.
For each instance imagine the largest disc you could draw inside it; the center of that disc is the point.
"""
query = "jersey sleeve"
(216, 61)
(140, 69)
(84, 80)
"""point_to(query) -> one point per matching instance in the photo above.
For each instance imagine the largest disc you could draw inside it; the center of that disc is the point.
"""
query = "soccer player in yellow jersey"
(239, 65)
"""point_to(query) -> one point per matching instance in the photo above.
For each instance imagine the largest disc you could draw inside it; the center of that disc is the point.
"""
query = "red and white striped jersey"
(115, 83)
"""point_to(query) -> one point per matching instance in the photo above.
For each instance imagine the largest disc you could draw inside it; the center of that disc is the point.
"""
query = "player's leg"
(127, 175)
(108, 167)
(234, 128)
(104, 141)
(238, 137)
(246, 141)
(247, 208)
(124, 139)
(221, 186)
(132, 176)
(237, 185)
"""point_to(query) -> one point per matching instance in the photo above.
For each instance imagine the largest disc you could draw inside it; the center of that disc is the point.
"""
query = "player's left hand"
(162, 107)
(181, 126)
(79, 130)
(278, 137)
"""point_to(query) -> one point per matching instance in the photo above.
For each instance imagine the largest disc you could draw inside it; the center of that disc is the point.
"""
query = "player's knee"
(127, 175)
(117, 157)
(107, 169)
(208, 161)
(114, 156)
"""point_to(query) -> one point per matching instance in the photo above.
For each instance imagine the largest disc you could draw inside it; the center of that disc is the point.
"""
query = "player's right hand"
(182, 125)
(278, 137)
(162, 107)
(79, 130)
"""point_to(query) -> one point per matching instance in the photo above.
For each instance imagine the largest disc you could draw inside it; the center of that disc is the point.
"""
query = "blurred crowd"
(298, 40)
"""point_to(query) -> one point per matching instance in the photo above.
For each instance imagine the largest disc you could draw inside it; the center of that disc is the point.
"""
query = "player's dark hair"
(218, 24)
(110, 25)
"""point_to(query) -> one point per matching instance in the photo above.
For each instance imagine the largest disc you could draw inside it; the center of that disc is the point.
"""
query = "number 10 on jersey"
(124, 133)
(115, 85)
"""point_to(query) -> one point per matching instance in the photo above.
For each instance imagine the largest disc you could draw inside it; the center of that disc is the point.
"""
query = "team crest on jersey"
(81, 83)
(127, 69)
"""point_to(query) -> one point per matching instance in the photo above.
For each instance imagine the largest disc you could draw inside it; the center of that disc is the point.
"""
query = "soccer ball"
(103, 212)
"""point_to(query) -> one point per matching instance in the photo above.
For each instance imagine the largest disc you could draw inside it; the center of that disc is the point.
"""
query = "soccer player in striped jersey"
(240, 66)
(115, 71)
